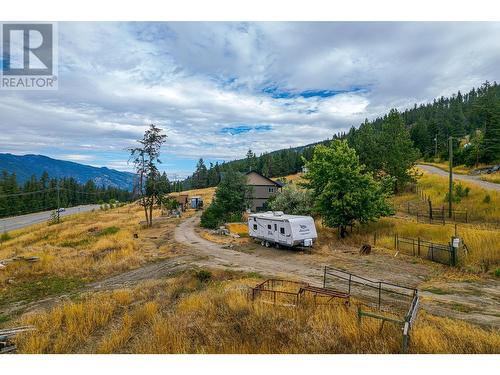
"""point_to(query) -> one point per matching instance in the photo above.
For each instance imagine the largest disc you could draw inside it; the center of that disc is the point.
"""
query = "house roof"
(256, 179)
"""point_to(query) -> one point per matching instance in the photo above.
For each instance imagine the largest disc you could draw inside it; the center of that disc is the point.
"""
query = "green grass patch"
(76, 243)
(461, 308)
(5, 236)
(436, 290)
(497, 272)
(37, 289)
(4, 318)
(255, 275)
(108, 231)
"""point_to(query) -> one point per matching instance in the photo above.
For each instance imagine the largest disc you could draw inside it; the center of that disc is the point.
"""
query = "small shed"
(182, 199)
(196, 202)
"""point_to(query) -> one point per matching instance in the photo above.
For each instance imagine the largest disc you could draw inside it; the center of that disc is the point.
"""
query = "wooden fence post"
(418, 249)
(430, 210)
(379, 294)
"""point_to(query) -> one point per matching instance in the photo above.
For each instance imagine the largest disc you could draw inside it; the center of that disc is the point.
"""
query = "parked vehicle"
(276, 228)
(62, 209)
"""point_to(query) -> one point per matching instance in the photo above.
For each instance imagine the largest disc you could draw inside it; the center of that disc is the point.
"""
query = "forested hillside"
(393, 143)
(25, 166)
(472, 119)
(41, 194)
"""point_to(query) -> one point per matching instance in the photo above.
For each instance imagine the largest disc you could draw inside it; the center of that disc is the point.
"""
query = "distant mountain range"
(27, 165)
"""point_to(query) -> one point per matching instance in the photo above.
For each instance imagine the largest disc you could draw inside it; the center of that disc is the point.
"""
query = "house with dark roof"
(262, 189)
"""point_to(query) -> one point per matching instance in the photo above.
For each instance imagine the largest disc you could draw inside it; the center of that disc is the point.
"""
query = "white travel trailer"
(276, 228)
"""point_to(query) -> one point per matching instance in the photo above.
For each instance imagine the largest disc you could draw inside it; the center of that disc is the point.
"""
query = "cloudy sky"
(218, 89)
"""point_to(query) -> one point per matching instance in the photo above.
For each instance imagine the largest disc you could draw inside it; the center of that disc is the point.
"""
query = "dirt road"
(477, 302)
(461, 177)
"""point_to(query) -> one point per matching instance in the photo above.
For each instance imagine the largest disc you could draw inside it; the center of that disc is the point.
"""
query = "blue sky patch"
(276, 93)
(240, 129)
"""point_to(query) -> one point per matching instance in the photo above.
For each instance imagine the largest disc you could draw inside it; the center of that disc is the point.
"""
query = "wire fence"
(382, 295)
(395, 303)
(436, 252)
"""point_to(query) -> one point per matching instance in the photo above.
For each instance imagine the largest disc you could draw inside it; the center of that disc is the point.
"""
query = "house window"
(255, 227)
(275, 227)
(271, 190)
(269, 226)
(282, 230)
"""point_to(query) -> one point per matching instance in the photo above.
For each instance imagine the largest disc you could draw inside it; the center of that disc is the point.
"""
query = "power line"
(51, 189)
(25, 193)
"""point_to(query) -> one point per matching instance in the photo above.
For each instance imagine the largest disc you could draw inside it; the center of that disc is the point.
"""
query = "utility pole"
(450, 188)
(436, 146)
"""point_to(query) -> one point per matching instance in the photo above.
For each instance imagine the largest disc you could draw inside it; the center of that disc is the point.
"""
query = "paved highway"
(463, 177)
(17, 222)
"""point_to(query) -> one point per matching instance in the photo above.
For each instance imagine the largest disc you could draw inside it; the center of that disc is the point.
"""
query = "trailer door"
(284, 233)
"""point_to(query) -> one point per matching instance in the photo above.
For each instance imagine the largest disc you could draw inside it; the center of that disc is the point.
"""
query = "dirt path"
(462, 177)
(477, 302)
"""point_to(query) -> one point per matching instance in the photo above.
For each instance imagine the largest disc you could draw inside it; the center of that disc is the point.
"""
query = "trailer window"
(282, 230)
(275, 227)
(254, 219)
(255, 227)
(269, 226)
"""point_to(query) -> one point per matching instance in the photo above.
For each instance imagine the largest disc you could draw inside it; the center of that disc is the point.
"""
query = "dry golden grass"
(238, 228)
(184, 315)
(292, 178)
(221, 239)
(207, 194)
(493, 177)
(483, 243)
(86, 246)
(479, 207)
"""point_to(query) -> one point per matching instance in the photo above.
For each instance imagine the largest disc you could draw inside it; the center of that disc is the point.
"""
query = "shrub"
(5, 237)
(292, 201)
(211, 217)
(487, 199)
(229, 203)
(459, 192)
(497, 272)
(203, 275)
(54, 218)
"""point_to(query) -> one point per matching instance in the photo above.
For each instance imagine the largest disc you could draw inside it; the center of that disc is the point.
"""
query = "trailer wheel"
(268, 244)
(263, 243)
(277, 245)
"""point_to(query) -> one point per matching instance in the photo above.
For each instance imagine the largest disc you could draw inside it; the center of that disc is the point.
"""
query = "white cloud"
(195, 79)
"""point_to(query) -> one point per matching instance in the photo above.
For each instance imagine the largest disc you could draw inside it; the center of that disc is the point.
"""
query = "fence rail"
(401, 301)
(380, 294)
(425, 213)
